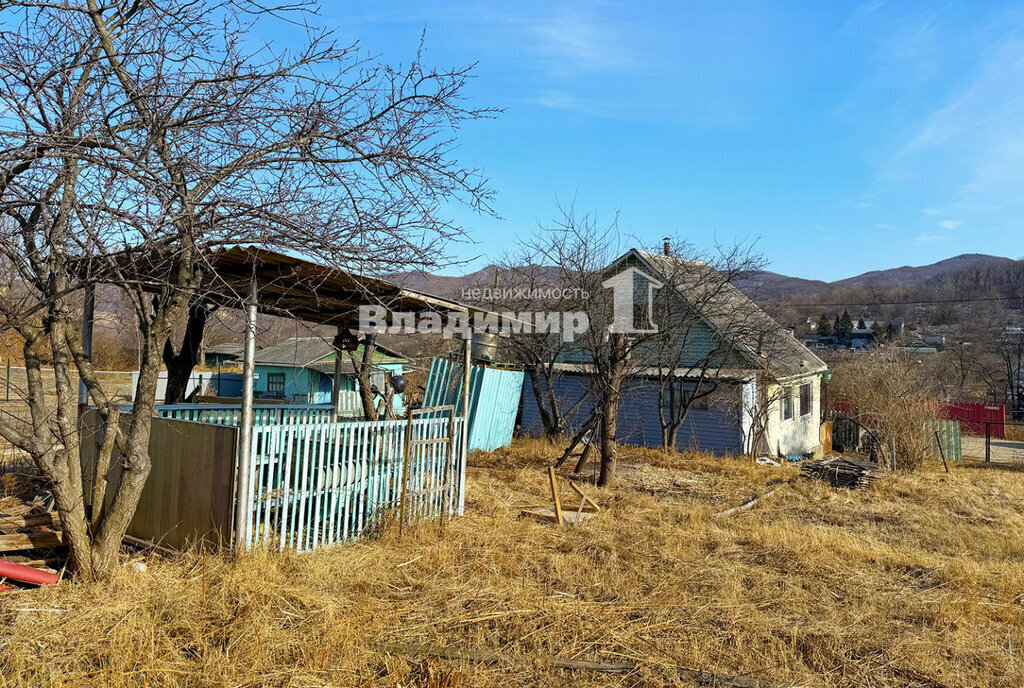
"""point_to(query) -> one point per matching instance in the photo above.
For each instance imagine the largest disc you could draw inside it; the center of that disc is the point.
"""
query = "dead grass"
(917, 582)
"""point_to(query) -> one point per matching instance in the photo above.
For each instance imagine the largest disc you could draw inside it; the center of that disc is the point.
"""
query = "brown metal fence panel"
(189, 494)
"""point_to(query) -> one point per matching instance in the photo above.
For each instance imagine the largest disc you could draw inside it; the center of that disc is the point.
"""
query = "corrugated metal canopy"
(299, 288)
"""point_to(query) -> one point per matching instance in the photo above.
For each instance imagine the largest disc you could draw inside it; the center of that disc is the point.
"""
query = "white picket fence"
(315, 483)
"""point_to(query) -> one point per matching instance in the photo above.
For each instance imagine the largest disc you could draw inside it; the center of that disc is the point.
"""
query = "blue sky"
(842, 137)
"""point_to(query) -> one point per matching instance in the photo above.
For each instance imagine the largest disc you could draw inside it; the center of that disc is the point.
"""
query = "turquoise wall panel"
(494, 399)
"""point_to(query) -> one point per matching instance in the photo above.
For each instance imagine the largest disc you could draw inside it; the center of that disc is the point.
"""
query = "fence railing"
(317, 483)
(263, 414)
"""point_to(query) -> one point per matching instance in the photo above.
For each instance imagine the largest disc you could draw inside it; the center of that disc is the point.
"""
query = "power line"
(903, 303)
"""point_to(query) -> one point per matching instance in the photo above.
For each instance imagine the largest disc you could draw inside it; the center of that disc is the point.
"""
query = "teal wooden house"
(494, 393)
(301, 370)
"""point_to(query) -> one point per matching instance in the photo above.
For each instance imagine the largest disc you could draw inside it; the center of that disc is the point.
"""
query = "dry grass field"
(917, 582)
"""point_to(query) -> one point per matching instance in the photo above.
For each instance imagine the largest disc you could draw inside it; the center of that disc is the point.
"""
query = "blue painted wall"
(309, 386)
(300, 384)
(711, 430)
(493, 399)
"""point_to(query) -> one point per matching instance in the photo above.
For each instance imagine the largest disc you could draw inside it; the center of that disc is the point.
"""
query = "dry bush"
(884, 391)
(1014, 432)
(915, 582)
(112, 350)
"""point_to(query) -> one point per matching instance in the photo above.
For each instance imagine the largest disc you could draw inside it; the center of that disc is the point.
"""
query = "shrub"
(884, 392)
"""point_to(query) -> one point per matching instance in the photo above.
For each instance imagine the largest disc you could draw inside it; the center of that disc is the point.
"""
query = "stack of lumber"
(29, 530)
(840, 472)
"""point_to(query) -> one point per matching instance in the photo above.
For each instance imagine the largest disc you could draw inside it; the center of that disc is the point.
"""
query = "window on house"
(377, 379)
(787, 403)
(275, 383)
(805, 399)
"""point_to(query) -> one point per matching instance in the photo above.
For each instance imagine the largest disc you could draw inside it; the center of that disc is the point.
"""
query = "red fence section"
(973, 417)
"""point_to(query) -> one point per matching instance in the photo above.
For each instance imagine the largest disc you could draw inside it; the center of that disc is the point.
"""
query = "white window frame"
(810, 399)
(787, 401)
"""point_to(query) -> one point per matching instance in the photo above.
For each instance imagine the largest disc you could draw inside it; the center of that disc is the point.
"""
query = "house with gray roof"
(301, 370)
(761, 386)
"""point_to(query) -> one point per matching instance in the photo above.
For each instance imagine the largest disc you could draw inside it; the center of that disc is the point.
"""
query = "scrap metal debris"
(841, 472)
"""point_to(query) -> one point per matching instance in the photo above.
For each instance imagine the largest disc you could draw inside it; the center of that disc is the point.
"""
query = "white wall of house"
(793, 434)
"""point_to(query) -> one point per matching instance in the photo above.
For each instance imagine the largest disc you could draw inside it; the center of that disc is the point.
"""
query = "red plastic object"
(26, 574)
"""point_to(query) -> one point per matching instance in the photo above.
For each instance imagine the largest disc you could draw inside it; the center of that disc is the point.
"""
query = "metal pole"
(988, 442)
(88, 315)
(336, 382)
(243, 457)
(466, 370)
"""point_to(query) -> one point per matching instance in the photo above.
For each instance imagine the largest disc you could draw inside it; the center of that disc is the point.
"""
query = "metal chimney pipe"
(667, 247)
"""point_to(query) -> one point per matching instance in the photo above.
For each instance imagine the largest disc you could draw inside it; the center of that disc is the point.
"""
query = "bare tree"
(519, 286)
(141, 137)
(181, 363)
(581, 249)
(885, 395)
(701, 316)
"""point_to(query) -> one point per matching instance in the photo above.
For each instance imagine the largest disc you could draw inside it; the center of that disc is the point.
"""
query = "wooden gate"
(825, 437)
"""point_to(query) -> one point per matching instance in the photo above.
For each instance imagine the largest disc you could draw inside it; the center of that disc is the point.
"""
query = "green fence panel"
(949, 436)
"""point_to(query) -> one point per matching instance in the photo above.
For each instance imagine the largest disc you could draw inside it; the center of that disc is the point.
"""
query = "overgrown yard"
(915, 582)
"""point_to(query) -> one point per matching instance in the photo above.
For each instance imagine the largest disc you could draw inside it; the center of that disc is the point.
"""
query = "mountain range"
(768, 285)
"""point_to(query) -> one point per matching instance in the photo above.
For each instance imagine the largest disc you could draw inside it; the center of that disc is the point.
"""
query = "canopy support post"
(244, 449)
(88, 316)
(336, 382)
(467, 368)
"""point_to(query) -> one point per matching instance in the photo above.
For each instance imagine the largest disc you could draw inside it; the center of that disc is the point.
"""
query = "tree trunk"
(548, 423)
(610, 396)
(362, 368)
(673, 437)
(180, 365)
(107, 541)
(609, 422)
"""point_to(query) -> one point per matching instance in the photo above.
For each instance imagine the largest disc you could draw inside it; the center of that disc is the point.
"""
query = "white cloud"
(950, 224)
(574, 40)
(928, 239)
(976, 136)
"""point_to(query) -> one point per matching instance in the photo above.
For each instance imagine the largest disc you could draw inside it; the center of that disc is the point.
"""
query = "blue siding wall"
(300, 384)
(309, 386)
(712, 430)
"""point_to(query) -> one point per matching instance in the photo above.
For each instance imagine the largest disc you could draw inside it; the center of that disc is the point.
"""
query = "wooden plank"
(38, 540)
(552, 480)
(48, 519)
(584, 497)
(406, 461)
(50, 564)
(547, 513)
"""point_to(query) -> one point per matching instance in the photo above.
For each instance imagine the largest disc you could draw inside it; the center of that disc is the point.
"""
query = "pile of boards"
(30, 532)
(841, 472)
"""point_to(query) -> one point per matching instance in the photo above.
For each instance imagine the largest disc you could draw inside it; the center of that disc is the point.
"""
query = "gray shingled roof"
(298, 352)
(772, 347)
(303, 352)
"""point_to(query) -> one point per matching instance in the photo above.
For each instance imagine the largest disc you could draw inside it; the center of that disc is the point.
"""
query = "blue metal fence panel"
(493, 399)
